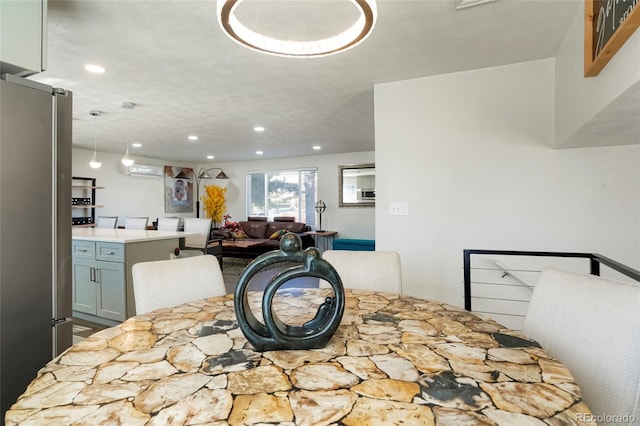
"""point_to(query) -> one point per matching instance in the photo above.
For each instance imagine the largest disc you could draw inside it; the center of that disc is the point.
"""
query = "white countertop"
(124, 235)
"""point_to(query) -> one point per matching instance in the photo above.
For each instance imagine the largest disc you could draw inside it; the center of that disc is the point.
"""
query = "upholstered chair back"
(200, 225)
(592, 326)
(136, 222)
(106, 221)
(367, 270)
(168, 223)
(166, 283)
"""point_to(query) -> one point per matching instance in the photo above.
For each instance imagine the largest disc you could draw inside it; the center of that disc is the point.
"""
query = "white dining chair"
(200, 225)
(592, 326)
(168, 223)
(166, 283)
(106, 221)
(136, 222)
(366, 270)
(202, 241)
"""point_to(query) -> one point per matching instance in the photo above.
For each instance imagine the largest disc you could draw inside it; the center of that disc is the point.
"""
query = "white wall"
(125, 195)
(143, 196)
(579, 99)
(470, 154)
(350, 222)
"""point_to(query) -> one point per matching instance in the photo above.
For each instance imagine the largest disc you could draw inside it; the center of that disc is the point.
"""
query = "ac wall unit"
(147, 171)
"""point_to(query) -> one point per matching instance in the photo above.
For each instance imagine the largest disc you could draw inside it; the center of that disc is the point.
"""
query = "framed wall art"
(178, 189)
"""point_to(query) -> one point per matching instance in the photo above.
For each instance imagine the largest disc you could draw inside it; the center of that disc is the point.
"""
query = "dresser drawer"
(84, 250)
(110, 252)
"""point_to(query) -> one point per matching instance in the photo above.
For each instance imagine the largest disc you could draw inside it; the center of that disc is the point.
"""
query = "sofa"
(268, 233)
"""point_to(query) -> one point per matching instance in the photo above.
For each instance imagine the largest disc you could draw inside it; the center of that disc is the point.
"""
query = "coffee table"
(243, 245)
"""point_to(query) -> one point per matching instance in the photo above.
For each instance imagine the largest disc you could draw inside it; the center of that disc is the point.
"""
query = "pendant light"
(95, 163)
(126, 160)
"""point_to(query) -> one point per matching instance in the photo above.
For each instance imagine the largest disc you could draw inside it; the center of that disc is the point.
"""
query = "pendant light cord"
(95, 134)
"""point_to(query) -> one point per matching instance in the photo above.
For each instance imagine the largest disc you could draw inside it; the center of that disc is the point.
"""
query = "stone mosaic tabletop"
(394, 360)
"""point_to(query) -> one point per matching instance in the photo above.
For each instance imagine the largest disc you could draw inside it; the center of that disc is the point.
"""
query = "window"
(283, 193)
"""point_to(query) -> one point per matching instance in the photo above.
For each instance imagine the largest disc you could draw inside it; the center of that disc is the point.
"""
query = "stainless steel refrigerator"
(35, 230)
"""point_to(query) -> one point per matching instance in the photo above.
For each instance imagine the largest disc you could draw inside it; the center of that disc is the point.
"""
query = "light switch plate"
(398, 209)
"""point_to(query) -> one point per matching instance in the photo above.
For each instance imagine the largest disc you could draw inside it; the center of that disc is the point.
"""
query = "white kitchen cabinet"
(111, 293)
(102, 262)
(99, 285)
(85, 290)
(23, 37)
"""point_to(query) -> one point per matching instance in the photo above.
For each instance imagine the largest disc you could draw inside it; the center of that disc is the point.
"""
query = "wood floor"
(83, 329)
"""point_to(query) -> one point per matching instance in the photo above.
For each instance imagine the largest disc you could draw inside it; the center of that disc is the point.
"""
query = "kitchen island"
(102, 261)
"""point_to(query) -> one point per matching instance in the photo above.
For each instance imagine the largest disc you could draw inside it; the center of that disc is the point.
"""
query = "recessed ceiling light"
(96, 69)
(259, 152)
(193, 138)
(258, 129)
(210, 157)
(136, 144)
(317, 147)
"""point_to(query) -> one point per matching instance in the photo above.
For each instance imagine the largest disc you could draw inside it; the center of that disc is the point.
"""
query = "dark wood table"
(240, 243)
(243, 245)
(393, 360)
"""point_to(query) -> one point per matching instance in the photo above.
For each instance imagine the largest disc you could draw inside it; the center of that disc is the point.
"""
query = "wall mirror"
(357, 185)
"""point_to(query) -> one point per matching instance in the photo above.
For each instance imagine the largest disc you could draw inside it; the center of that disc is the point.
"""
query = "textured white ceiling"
(186, 77)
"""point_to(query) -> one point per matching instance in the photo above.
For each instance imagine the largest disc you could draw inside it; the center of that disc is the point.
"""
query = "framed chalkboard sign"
(608, 24)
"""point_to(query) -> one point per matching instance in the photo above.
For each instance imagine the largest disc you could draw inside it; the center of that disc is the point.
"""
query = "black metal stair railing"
(595, 260)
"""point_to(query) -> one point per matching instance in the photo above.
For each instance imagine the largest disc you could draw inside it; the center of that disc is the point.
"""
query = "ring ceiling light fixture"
(345, 40)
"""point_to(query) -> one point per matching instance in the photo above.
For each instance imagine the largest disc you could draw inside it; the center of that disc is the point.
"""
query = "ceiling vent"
(146, 171)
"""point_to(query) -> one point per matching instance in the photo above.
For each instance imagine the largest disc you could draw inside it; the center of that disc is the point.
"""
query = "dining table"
(393, 360)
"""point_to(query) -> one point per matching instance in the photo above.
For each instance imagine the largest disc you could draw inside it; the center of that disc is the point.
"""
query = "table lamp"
(320, 207)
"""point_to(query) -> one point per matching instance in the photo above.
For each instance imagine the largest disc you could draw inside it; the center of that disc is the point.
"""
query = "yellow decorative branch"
(214, 203)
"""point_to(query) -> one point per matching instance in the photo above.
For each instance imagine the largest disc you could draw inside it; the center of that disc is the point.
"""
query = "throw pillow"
(278, 234)
(239, 234)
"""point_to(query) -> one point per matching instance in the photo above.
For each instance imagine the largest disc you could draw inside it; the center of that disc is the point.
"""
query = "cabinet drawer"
(111, 252)
(84, 250)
